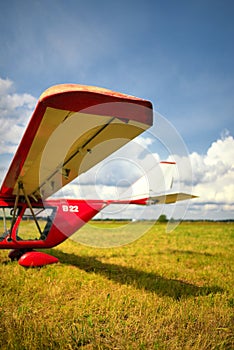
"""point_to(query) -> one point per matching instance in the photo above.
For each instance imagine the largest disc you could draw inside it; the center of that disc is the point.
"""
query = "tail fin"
(152, 187)
(158, 179)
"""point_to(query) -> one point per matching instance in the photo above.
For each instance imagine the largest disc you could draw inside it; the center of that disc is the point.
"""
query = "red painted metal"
(36, 259)
(165, 162)
(69, 217)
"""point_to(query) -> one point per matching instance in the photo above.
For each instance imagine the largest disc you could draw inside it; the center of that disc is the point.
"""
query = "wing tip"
(70, 88)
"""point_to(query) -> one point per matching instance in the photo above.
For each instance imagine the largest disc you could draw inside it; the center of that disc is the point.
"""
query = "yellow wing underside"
(67, 144)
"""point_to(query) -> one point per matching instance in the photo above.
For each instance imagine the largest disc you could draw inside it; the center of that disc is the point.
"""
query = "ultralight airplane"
(73, 127)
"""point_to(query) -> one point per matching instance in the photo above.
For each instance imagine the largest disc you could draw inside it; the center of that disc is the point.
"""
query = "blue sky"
(178, 54)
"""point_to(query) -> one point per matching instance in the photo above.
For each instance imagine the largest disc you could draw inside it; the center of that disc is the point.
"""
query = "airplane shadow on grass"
(148, 281)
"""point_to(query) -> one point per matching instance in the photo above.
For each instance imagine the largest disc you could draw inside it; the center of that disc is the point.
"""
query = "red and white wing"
(73, 128)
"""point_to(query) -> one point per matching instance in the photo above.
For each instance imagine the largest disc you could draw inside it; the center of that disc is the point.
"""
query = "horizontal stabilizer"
(157, 199)
(169, 198)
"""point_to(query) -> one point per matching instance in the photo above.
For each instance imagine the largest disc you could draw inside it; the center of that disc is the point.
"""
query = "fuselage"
(51, 222)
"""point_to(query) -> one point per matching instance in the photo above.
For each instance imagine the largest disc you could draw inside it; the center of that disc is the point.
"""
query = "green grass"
(163, 291)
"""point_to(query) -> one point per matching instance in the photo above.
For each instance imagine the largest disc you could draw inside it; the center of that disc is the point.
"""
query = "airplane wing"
(73, 128)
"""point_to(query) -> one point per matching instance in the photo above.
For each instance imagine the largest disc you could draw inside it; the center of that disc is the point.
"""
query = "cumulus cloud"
(15, 110)
(212, 178)
(213, 172)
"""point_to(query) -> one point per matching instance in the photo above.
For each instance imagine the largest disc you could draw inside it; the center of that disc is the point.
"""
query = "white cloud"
(214, 172)
(221, 151)
(213, 178)
(210, 176)
(15, 110)
(5, 85)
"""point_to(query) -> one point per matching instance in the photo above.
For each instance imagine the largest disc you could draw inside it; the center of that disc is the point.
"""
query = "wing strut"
(14, 211)
(4, 220)
(30, 206)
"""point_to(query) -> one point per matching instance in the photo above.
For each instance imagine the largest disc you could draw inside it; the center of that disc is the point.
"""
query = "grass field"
(163, 291)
